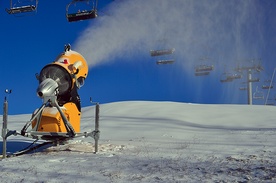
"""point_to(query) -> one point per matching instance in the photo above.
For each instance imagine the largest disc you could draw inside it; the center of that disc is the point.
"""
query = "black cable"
(29, 146)
(28, 149)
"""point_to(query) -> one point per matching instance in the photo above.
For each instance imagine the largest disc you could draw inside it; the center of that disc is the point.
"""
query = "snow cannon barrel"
(69, 70)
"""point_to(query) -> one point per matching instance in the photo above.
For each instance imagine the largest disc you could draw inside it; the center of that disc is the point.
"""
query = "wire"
(29, 146)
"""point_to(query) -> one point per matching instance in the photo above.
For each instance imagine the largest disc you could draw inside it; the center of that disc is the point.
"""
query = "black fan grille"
(58, 74)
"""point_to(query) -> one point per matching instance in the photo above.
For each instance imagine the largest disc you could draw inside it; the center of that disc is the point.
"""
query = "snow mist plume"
(221, 29)
(225, 32)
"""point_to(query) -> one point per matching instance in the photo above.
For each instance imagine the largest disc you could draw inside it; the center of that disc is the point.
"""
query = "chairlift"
(254, 80)
(154, 53)
(243, 88)
(258, 94)
(228, 77)
(204, 68)
(22, 6)
(202, 73)
(267, 85)
(236, 76)
(164, 62)
(82, 10)
(204, 65)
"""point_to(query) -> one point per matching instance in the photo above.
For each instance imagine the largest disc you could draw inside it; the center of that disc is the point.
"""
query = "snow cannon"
(59, 116)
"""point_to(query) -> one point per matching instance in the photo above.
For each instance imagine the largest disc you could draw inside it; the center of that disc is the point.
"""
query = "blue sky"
(117, 44)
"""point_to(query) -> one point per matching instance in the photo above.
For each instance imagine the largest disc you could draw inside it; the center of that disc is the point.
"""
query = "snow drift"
(144, 141)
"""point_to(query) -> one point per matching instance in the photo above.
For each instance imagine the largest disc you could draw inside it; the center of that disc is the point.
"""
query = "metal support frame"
(69, 135)
(70, 130)
(41, 135)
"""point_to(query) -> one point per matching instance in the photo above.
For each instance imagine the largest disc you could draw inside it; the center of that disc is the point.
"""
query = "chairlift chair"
(204, 65)
(236, 76)
(267, 85)
(204, 68)
(226, 77)
(202, 73)
(258, 94)
(226, 80)
(22, 7)
(243, 88)
(82, 14)
(154, 53)
(165, 62)
(254, 80)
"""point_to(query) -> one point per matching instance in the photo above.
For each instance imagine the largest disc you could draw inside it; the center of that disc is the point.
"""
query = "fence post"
(5, 124)
(4, 129)
(97, 132)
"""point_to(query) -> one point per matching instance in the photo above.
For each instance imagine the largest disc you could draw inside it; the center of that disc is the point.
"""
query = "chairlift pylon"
(83, 10)
(22, 6)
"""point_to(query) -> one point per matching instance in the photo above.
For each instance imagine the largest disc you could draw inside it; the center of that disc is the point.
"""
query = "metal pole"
(4, 129)
(97, 132)
(249, 87)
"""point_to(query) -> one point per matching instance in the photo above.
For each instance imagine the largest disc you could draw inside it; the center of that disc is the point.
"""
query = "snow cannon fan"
(60, 114)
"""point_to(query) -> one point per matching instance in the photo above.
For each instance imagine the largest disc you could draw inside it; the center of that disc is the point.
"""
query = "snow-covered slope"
(144, 141)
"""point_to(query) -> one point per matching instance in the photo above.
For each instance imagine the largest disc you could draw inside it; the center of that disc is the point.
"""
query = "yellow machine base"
(51, 120)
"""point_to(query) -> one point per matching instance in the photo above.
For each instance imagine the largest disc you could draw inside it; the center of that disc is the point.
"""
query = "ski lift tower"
(250, 69)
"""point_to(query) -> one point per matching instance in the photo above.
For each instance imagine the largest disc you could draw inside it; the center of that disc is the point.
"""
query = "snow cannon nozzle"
(47, 88)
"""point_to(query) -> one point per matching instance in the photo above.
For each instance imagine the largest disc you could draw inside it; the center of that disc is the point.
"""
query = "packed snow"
(144, 141)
